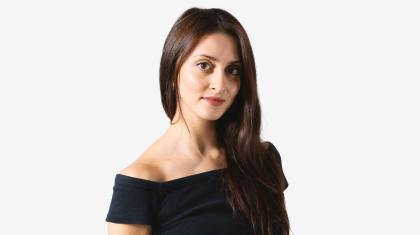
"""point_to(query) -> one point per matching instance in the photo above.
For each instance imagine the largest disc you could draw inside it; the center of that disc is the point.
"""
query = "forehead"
(217, 46)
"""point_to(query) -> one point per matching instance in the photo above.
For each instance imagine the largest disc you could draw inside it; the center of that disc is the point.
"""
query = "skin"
(200, 76)
(175, 153)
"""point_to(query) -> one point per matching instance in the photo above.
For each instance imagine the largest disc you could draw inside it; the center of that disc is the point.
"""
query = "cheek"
(193, 82)
(235, 88)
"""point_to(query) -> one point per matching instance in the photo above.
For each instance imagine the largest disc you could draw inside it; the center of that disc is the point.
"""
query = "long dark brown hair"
(254, 179)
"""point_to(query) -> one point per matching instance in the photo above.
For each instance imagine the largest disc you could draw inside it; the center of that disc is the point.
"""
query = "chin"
(208, 113)
(211, 116)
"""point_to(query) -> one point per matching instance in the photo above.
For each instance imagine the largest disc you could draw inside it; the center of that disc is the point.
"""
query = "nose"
(218, 81)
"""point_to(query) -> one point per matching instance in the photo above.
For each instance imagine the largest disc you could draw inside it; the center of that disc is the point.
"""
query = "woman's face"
(211, 69)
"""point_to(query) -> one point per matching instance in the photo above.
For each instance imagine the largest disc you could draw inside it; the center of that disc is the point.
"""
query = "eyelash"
(235, 67)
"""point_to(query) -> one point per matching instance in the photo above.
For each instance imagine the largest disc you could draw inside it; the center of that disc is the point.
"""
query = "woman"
(210, 172)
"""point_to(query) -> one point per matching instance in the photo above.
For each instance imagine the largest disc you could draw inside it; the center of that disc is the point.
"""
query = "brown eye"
(237, 71)
(202, 63)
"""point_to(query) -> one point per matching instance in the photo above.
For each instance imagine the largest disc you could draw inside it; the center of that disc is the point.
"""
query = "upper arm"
(129, 229)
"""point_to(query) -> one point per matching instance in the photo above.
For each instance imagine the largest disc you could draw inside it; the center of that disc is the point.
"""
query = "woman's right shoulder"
(142, 169)
(148, 165)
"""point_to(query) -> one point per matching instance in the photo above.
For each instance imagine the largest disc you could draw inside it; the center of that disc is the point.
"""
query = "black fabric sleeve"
(277, 154)
(133, 201)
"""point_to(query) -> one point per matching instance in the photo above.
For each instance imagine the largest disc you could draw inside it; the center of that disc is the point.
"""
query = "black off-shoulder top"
(191, 205)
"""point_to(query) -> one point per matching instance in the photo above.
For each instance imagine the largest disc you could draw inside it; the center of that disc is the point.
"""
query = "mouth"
(214, 101)
(215, 98)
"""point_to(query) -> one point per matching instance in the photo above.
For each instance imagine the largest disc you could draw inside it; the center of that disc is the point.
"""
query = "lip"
(216, 101)
(214, 98)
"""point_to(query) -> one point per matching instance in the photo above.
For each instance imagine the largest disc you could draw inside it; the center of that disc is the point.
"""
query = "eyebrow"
(215, 59)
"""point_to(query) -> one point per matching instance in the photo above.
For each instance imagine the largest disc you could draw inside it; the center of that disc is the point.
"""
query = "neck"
(200, 141)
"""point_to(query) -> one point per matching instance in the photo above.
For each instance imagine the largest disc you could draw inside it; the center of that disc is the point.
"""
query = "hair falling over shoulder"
(254, 180)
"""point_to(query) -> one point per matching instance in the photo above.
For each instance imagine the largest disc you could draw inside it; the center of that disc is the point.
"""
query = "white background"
(338, 83)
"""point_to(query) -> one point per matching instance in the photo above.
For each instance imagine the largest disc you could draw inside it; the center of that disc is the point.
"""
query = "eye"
(202, 63)
(237, 69)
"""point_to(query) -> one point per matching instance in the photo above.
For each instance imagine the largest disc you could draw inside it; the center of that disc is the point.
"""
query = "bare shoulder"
(143, 168)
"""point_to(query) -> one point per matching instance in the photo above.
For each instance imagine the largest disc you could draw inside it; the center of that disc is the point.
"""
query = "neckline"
(177, 181)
